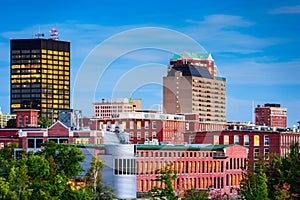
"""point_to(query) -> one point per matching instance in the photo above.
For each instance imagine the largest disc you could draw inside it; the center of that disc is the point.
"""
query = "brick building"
(218, 167)
(193, 86)
(147, 126)
(30, 137)
(110, 108)
(271, 115)
(259, 142)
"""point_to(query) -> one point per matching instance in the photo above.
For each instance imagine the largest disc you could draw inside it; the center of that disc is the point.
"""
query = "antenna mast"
(54, 34)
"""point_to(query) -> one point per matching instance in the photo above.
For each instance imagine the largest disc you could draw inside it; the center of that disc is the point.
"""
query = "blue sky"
(255, 45)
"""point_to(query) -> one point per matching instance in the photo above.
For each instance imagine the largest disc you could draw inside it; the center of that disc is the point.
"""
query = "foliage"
(291, 170)
(104, 192)
(47, 174)
(254, 183)
(44, 122)
(276, 178)
(277, 187)
(93, 181)
(195, 194)
(65, 159)
(165, 177)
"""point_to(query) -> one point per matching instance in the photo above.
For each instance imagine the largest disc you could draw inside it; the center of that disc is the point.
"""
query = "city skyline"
(254, 44)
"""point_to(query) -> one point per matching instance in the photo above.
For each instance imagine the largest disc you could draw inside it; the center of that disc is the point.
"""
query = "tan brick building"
(111, 108)
(192, 86)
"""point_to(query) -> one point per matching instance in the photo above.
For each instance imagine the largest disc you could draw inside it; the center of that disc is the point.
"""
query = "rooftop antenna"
(39, 34)
(253, 111)
(54, 34)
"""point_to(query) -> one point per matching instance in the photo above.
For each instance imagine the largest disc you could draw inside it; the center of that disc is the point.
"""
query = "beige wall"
(206, 97)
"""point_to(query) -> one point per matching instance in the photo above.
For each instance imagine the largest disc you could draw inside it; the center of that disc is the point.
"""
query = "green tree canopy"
(166, 177)
(44, 122)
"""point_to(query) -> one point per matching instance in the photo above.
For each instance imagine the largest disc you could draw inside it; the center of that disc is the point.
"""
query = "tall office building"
(271, 114)
(40, 75)
(193, 85)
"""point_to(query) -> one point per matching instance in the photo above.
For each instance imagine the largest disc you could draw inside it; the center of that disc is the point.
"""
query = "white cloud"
(286, 10)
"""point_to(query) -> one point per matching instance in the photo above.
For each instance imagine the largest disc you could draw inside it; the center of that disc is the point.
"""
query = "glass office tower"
(40, 75)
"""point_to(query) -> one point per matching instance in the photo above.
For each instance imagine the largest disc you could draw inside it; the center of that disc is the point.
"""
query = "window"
(256, 140)
(267, 140)
(146, 136)
(246, 140)
(139, 136)
(34, 142)
(131, 135)
(146, 124)
(99, 140)
(139, 124)
(153, 134)
(266, 153)
(131, 125)
(125, 166)
(154, 125)
(81, 140)
(216, 139)
(30, 143)
(236, 139)
(226, 139)
(20, 121)
(187, 126)
(256, 153)
(124, 125)
(191, 139)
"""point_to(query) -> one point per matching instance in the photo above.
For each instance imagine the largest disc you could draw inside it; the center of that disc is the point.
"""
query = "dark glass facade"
(40, 75)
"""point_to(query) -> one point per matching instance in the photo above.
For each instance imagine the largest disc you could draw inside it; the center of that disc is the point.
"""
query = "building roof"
(186, 55)
(190, 70)
(202, 147)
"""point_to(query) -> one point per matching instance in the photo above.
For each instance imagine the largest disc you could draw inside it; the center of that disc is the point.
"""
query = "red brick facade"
(217, 168)
(260, 143)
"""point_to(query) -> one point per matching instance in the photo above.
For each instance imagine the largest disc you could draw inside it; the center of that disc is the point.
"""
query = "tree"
(291, 170)
(44, 122)
(93, 180)
(93, 175)
(104, 192)
(278, 188)
(66, 158)
(254, 183)
(165, 177)
(195, 194)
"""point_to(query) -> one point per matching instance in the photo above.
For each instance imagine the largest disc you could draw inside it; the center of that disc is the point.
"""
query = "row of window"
(193, 183)
(182, 167)
(256, 153)
(138, 135)
(37, 51)
(37, 61)
(36, 143)
(137, 125)
(236, 140)
(38, 80)
(124, 166)
(28, 56)
(60, 67)
(175, 154)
